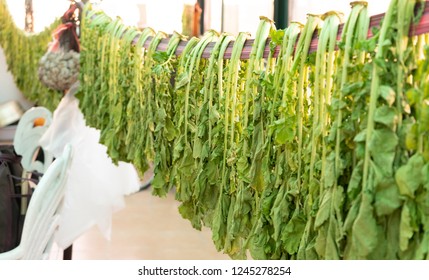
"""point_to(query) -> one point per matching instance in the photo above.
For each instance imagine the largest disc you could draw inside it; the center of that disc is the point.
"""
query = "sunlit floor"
(149, 228)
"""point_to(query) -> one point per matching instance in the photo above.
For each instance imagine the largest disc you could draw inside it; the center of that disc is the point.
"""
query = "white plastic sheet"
(95, 187)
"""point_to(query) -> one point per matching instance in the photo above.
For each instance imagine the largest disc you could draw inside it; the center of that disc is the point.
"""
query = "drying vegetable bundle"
(115, 85)
(23, 52)
(320, 155)
(164, 130)
(59, 70)
(128, 113)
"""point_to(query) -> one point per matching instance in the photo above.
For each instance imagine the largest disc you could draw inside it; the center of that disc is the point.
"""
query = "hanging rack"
(421, 27)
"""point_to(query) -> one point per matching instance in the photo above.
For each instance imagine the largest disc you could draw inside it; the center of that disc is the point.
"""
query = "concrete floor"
(149, 228)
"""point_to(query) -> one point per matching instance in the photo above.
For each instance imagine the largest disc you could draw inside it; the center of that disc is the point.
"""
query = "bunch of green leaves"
(411, 178)
(189, 99)
(218, 203)
(375, 222)
(320, 192)
(290, 133)
(165, 132)
(307, 156)
(112, 93)
(279, 212)
(234, 79)
(122, 87)
(23, 52)
(135, 104)
(92, 63)
(206, 188)
(147, 112)
(247, 227)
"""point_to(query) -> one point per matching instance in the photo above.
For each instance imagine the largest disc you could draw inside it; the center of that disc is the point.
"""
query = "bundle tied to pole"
(59, 67)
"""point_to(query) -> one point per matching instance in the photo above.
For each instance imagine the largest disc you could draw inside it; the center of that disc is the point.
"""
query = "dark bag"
(11, 218)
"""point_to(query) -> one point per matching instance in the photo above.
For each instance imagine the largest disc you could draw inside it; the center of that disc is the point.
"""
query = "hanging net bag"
(59, 66)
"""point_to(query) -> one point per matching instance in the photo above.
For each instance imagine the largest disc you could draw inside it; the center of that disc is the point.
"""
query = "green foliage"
(319, 155)
(23, 52)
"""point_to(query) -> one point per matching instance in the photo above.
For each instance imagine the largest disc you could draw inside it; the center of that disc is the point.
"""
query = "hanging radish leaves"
(303, 156)
(165, 131)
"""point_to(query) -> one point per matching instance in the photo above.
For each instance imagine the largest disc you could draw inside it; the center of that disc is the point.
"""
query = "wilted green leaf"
(277, 36)
(160, 56)
(324, 210)
(412, 137)
(361, 136)
(406, 229)
(182, 80)
(352, 88)
(423, 249)
(409, 176)
(383, 149)
(292, 233)
(171, 131)
(387, 198)
(388, 94)
(413, 96)
(424, 117)
(352, 213)
(284, 135)
(329, 176)
(365, 231)
(198, 147)
(354, 187)
(386, 115)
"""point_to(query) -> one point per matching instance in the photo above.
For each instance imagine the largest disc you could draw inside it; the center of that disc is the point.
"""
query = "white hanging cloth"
(96, 187)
